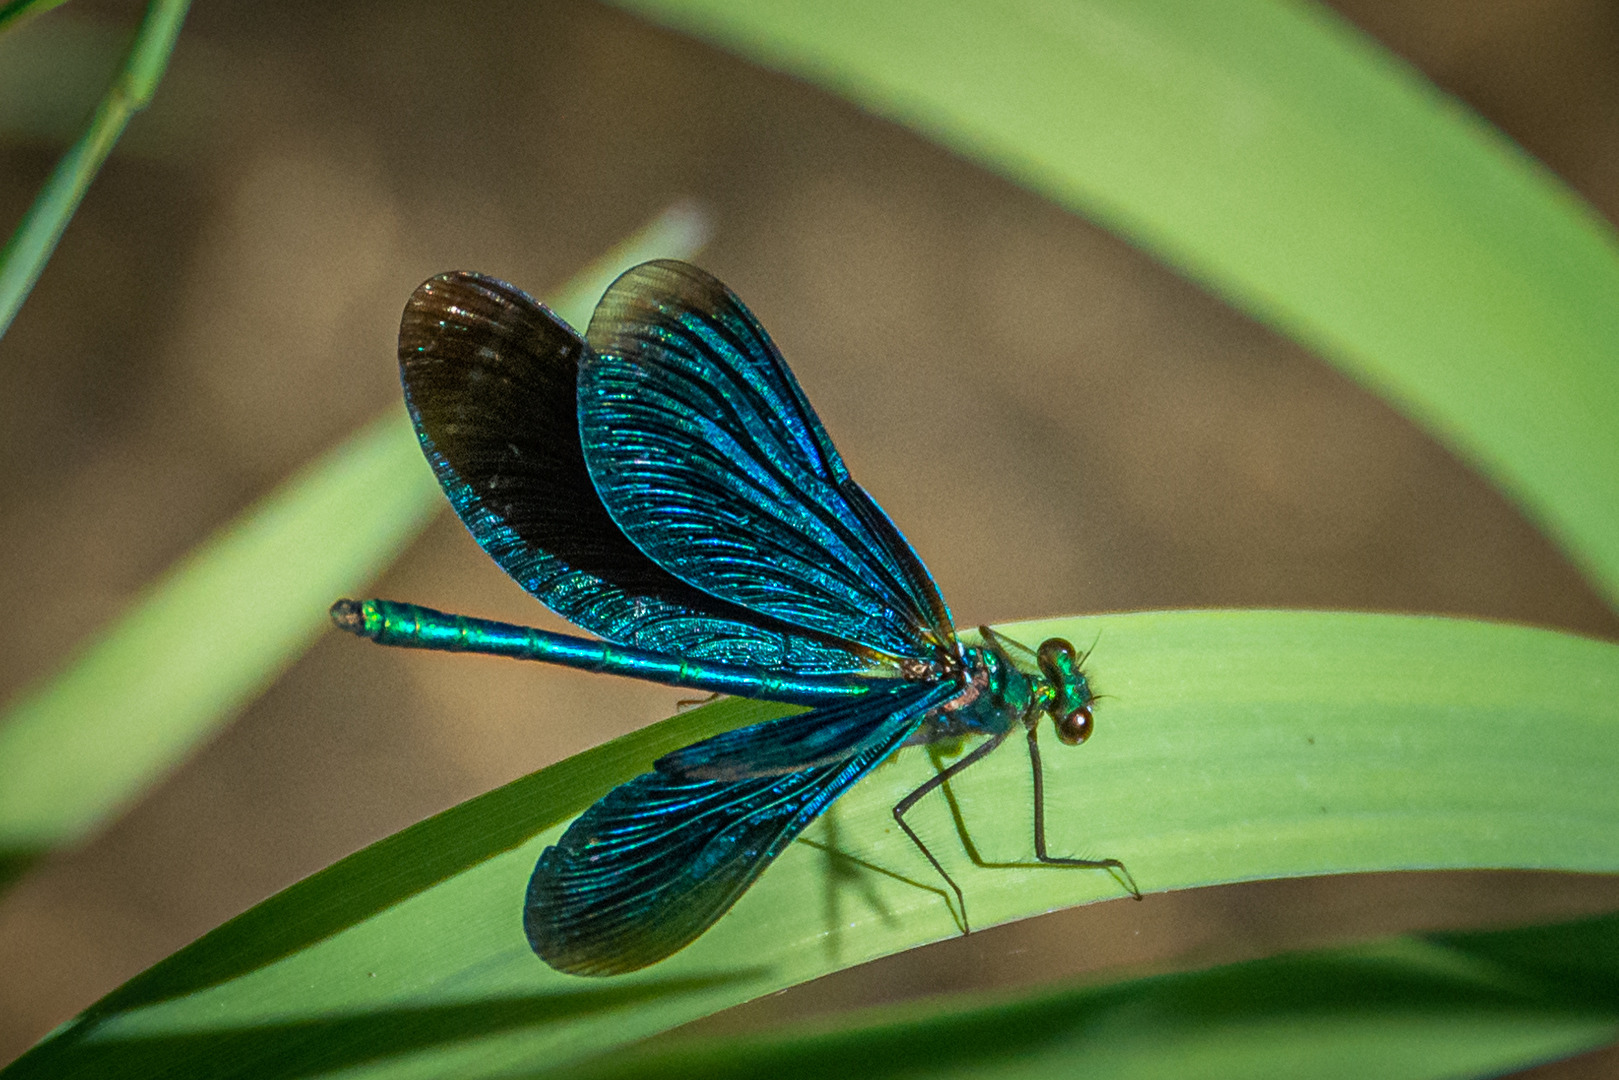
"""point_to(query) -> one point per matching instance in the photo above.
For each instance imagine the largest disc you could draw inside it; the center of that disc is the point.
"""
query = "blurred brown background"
(1058, 423)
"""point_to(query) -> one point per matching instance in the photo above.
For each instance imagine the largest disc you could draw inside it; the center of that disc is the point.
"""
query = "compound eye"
(1075, 728)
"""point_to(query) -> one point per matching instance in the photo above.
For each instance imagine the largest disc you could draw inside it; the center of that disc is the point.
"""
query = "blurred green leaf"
(1270, 151)
(206, 639)
(1232, 746)
(218, 627)
(30, 246)
(1402, 1009)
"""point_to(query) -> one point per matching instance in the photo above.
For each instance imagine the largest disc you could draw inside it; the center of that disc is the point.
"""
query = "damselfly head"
(1070, 707)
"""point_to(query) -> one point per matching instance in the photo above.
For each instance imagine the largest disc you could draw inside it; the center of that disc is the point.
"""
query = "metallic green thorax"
(999, 694)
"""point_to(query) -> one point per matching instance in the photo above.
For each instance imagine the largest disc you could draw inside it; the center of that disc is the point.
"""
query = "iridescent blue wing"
(647, 869)
(706, 453)
(490, 379)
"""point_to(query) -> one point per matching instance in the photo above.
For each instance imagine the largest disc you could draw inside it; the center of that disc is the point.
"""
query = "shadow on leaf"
(1516, 996)
(314, 1047)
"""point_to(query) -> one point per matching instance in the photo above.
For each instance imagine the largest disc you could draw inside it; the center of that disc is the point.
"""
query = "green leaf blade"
(1202, 770)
